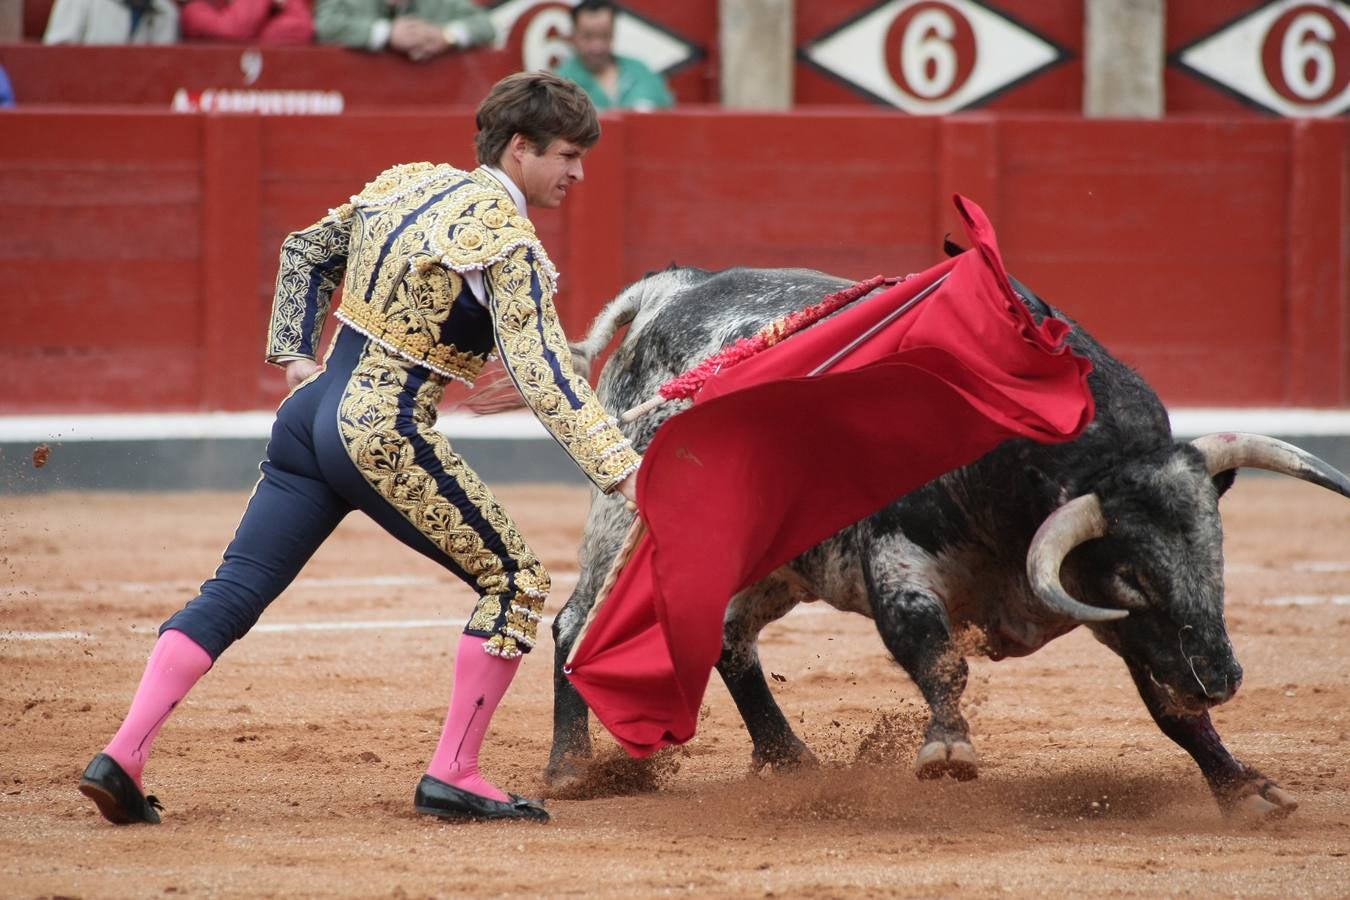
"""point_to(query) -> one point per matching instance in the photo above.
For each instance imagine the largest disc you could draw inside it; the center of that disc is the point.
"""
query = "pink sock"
(174, 667)
(481, 681)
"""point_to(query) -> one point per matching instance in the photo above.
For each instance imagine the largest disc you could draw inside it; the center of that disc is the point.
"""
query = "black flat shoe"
(436, 798)
(118, 798)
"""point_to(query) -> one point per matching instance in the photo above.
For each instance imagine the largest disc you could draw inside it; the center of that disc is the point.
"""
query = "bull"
(1118, 530)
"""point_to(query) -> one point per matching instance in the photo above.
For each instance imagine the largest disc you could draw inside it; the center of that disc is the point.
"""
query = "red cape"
(769, 462)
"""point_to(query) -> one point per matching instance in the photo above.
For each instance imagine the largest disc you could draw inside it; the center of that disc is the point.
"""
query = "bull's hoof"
(956, 759)
(566, 772)
(791, 757)
(1266, 801)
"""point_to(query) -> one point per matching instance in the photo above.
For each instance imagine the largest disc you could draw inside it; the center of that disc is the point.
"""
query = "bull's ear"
(1224, 480)
(951, 247)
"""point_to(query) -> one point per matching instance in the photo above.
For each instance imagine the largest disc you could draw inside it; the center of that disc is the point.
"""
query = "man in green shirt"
(611, 81)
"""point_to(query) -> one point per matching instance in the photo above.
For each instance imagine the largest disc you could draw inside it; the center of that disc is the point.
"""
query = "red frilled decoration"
(689, 383)
(771, 460)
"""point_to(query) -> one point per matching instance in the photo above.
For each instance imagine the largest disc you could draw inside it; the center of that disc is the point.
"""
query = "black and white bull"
(1118, 530)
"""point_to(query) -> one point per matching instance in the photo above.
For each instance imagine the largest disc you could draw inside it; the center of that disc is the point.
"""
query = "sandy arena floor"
(290, 769)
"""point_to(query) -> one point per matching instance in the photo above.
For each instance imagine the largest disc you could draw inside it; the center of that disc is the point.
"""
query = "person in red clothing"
(248, 21)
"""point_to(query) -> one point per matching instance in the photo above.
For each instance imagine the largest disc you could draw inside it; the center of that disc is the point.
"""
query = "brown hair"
(539, 105)
(593, 6)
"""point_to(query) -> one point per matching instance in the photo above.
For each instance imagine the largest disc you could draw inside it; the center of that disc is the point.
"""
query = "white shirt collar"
(515, 192)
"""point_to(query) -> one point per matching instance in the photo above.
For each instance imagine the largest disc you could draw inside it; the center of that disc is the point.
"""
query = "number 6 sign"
(930, 57)
(1290, 57)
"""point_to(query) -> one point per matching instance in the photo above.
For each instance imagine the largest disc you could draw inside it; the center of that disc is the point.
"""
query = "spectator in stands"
(418, 29)
(112, 22)
(248, 21)
(6, 91)
(611, 81)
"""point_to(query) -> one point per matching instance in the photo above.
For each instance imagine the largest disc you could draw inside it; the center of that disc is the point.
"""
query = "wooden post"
(11, 21)
(1123, 50)
(757, 53)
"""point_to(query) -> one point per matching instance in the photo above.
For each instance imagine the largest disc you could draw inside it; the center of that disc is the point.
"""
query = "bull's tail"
(620, 311)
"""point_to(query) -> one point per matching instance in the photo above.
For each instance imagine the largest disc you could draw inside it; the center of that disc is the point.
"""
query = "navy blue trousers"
(359, 436)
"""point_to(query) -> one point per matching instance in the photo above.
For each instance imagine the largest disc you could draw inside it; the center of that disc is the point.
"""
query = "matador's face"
(547, 176)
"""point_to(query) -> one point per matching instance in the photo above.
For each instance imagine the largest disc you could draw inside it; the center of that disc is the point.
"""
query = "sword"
(637, 412)
(869, 333)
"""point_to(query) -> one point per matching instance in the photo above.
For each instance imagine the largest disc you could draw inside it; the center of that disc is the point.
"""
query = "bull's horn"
(1231, 450)
(1073, 523)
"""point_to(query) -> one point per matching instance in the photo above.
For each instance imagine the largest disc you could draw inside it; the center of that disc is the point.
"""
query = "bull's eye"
(1129, 589)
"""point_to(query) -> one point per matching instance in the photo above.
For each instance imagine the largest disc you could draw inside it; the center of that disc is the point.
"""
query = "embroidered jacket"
(404, 244)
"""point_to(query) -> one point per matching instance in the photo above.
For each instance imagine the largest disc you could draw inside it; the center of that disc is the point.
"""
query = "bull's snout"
(1209, 673)
(1216, 683)
(1197, 685)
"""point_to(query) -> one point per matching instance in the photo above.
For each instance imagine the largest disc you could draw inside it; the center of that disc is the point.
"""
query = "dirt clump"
(894, 738)
(616, 774)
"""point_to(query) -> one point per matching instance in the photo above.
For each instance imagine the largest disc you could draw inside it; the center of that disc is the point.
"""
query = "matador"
(440, 269)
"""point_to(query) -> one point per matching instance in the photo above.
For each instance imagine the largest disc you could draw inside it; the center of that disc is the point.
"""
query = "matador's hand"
(297, 370)
(628, 489)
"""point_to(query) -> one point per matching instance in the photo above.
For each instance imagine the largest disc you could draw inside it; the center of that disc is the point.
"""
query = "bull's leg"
(772, 737)
(606, 525)
(1239, 789)
(571, 717)
(913, 625)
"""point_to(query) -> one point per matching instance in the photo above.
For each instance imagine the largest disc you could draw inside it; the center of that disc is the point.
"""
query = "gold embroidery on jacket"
(406, 263)
(481, 227)
(367, 420)
(324, 246)
(416, 310)
(398, 182)
(528, 335)
(413, 232)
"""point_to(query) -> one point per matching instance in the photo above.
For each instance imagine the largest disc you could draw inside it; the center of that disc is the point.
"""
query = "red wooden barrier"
(138, 250)
(153, 76)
